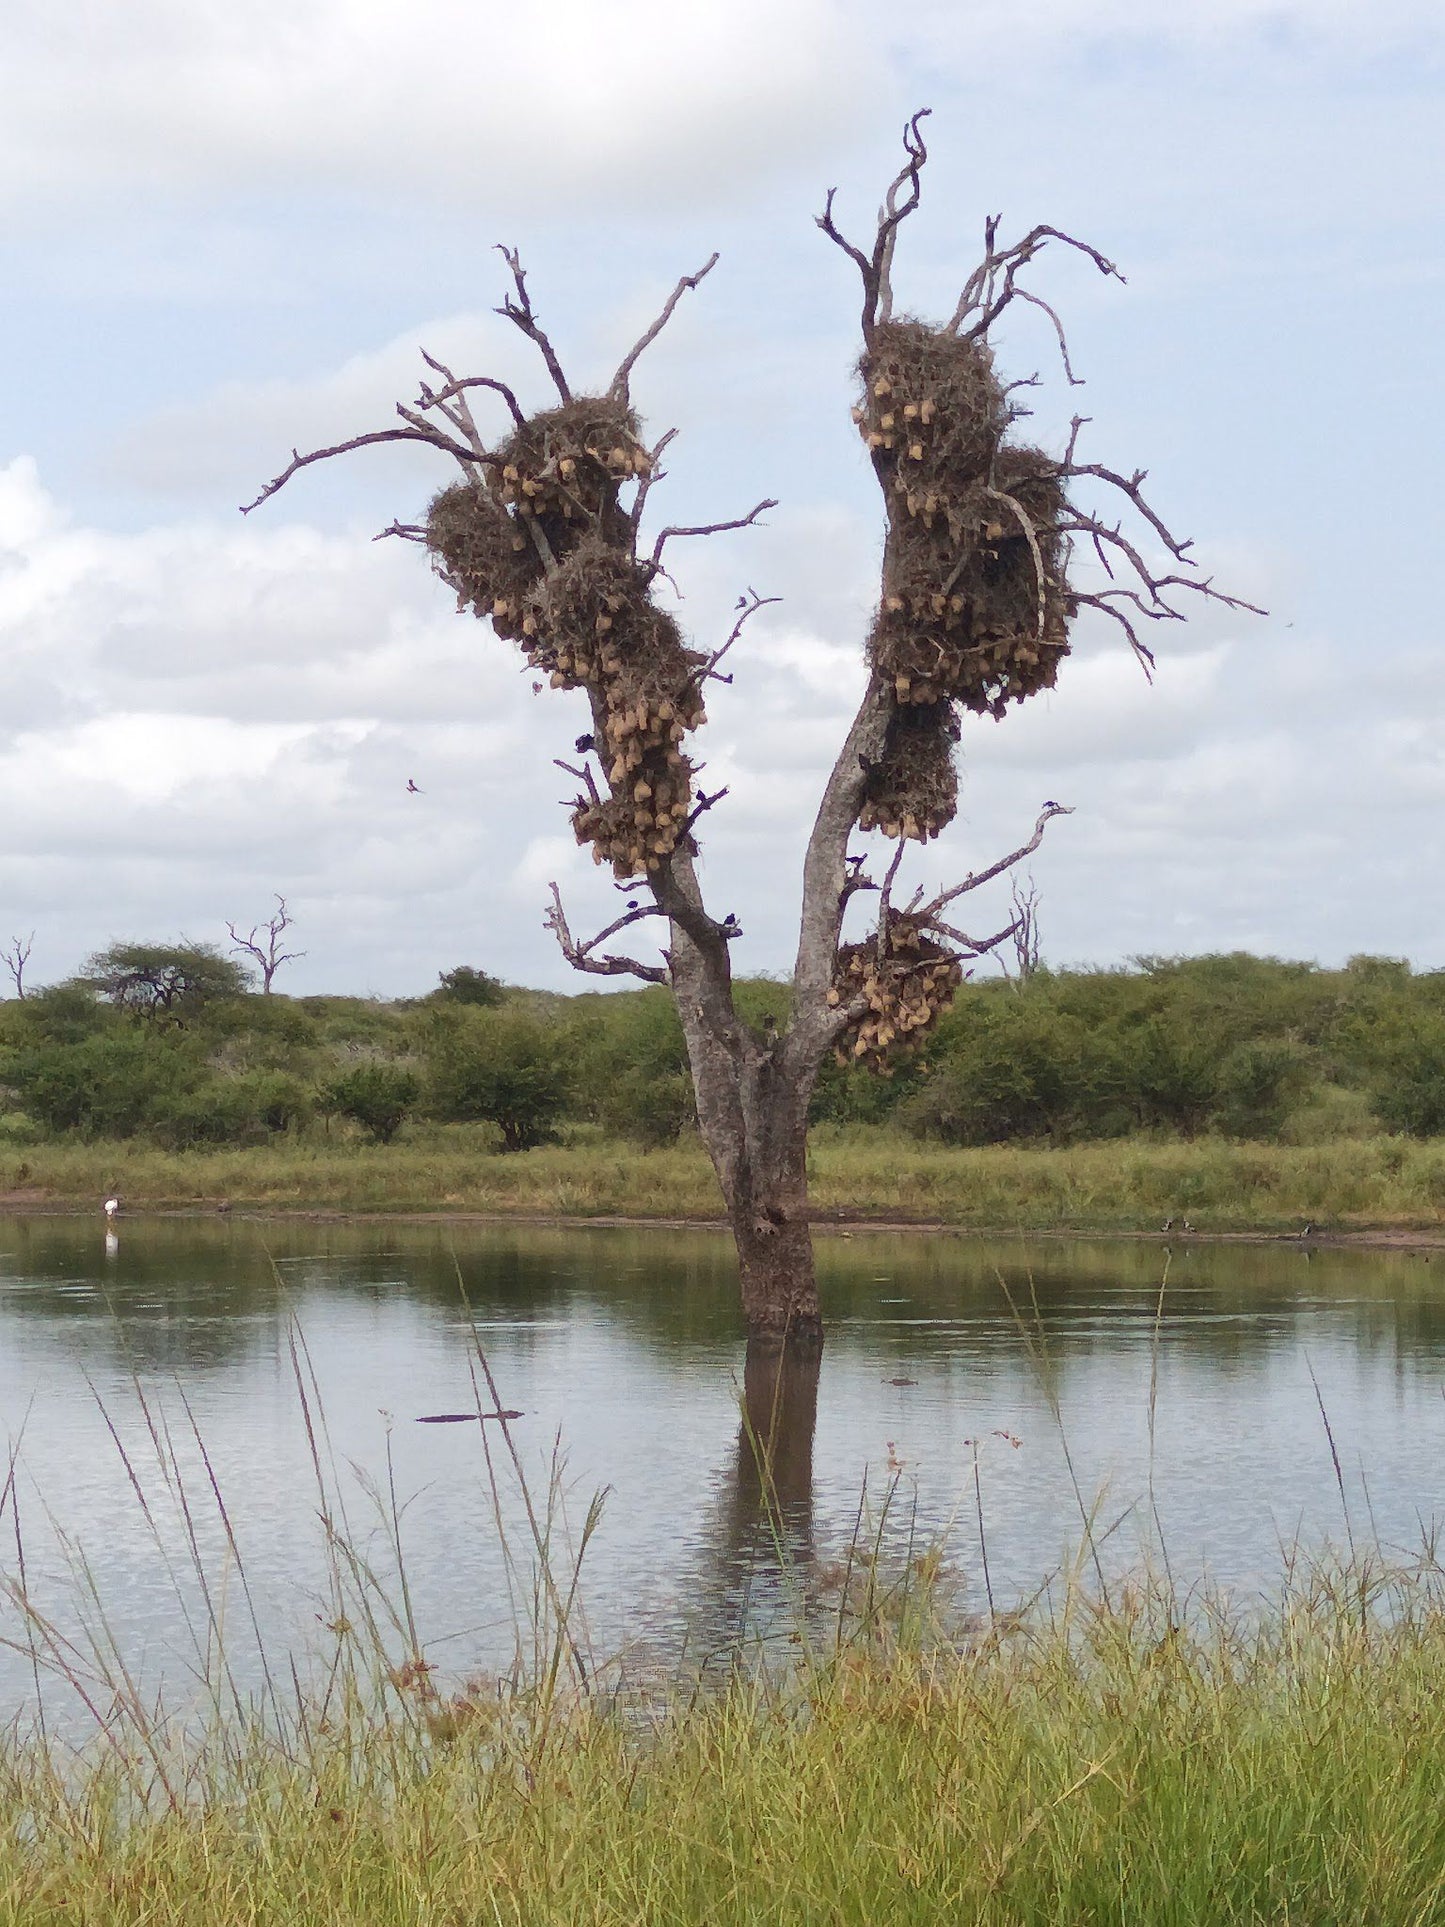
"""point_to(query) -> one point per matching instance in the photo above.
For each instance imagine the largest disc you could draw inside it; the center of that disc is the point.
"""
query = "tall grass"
(1104, 1766)
(1128, 1185)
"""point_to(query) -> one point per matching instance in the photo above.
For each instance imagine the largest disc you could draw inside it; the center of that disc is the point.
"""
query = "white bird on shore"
(112, 1207)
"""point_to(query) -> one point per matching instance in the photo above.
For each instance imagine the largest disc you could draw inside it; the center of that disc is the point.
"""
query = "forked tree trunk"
(753, 1090)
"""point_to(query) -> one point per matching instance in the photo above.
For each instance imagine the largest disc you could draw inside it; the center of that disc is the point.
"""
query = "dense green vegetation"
(167, 1046)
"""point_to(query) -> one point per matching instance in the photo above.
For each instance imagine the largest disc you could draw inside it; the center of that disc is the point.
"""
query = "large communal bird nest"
(976, 602)
(566, 464)
(912, 790)
(542, 550)
(901, 982)
(643, 820)
(483, 553)
(592, 623)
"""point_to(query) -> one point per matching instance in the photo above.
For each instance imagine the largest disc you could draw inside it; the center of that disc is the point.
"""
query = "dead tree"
(543, 535)
(16, 954)
(263, 944)
(1024, 940)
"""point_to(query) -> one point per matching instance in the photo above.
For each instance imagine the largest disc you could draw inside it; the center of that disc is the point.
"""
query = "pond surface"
(199, 1358)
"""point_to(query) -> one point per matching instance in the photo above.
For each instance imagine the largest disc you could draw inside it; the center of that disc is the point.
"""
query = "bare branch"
(993, 283)
(747, 606)
(580, 955)
(893, 868)
(826, 869)
(539, 536)
(713, 528)
(1130, 486)
(426, 433)
(972, 946)
(455, 387)
(583, 773)
(1031, 537)
(646, 481)
(703, 805)
(876, 268)
(268, 955)
(976, 879)
(518, 309)
(1037, 301)
(618, 387)
(407, 531)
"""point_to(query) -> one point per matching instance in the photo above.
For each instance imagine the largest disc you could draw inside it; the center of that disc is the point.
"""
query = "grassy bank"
(1127, 1185)
(1105, 1770)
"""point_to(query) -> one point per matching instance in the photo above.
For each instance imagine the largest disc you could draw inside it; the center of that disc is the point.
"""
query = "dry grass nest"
(592, 622)
(905, 984)
(976, 603)
(484, 554)
(569, 462)
(641, 823)
(912, 790)
(932, 407)
(589, 622)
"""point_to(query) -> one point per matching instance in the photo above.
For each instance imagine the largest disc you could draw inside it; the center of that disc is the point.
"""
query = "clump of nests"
(904, 980)
(976, 602)
(912, 790)
(543, 549)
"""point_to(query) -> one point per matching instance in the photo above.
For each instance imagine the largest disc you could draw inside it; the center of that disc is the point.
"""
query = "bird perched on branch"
(411, 788)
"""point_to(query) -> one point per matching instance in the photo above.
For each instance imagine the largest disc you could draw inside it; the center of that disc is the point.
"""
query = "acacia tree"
(544, 535)
(163, 982)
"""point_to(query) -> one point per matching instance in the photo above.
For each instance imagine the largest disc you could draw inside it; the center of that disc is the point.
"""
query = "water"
(130, 1378)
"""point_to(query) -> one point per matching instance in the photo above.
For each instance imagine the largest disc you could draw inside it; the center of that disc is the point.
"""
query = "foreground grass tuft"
(1108, 1769)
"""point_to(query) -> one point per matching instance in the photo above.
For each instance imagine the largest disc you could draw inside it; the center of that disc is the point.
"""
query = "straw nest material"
(568, 463)
(592, 623)
(544, 550)
(644, 819)
(976, 602)
(906, 983)
(484, 554)
(912, 790)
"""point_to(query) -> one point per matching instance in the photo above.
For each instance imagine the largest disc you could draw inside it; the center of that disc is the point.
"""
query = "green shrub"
(107, 1085)
(464, 985)
(377, 1096)
(629, 1066)
(1257, 1086)
(506, 1067)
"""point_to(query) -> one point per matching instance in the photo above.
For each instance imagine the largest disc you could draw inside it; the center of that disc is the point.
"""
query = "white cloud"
(636, 102)
(198, 715)
(195, 710)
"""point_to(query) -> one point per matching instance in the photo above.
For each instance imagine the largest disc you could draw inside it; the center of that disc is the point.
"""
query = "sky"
(227, 231)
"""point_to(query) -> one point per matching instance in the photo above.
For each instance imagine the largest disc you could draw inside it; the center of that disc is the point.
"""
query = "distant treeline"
(170, 1044)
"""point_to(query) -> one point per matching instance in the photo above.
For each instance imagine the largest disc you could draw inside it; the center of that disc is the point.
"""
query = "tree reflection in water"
(754, 1583)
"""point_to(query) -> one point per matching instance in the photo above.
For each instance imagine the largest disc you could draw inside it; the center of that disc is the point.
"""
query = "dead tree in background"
(1024, 938)
(542, 534)
(16, 954)
(267, 953)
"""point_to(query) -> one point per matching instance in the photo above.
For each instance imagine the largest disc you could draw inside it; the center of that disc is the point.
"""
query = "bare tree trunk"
(752, 1106)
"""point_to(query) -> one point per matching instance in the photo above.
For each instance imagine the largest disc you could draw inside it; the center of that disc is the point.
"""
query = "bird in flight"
(411, 788)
